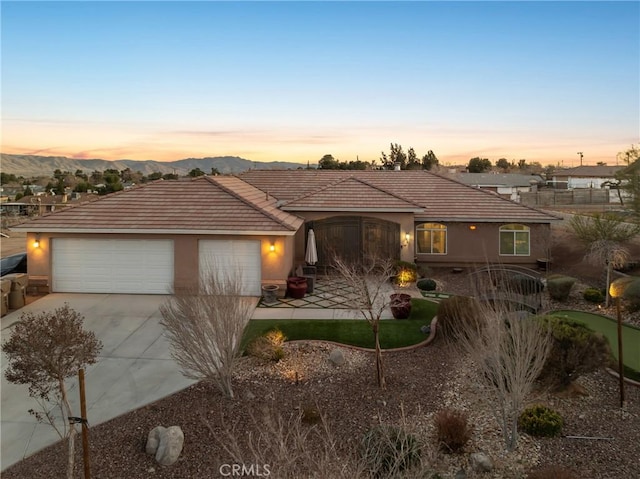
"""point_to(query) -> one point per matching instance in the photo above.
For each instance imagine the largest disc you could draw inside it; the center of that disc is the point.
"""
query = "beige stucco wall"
(482, 245)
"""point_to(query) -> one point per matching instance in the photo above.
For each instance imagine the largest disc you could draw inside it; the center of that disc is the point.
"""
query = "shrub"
(575, 350)
(452, 429)
(540, 421)
(426, 284)
(406, 273)
(593, 295)
(268, 346)
(551, 472)
(389, 450)
(632, 296)
(456, 314)
(559, 286)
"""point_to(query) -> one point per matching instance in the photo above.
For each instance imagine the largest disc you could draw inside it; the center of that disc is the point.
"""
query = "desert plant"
(540, 421)
(452, 429)
(456, 314)
(204, 325)
(389, 450)
(559, 286)
(268, 346)
(593, 295)
(426, 284)
(43, 350)
(575, 350)
(405, 273)
(552, 472)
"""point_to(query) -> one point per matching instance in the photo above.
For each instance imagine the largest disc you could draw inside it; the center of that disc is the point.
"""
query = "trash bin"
(5, 288)
(18, 294)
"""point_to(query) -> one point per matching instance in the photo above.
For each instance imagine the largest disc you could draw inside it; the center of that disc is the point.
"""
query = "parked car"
(16, 263)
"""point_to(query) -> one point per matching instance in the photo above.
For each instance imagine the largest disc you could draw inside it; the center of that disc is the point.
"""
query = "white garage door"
(112, 266)
(225, 257)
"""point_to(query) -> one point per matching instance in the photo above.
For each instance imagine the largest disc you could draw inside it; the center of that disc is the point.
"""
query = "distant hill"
(32, 165)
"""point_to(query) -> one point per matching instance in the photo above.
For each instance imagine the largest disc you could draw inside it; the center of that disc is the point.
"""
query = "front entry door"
(353, 238)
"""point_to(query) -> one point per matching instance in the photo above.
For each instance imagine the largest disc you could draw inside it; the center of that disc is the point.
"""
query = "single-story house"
(161, 236)
(507, 185)
(586, 176)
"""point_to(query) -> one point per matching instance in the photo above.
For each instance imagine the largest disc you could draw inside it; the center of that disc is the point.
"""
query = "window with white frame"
(431, 238)
(514, 240)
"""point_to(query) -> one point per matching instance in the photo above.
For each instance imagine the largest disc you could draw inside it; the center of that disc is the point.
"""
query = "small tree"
(478, 165)
(44, 349)
(509, 352)
(205, 324)
(604, 236)
(370, 283)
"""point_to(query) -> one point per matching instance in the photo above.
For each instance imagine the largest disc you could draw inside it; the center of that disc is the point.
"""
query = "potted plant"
(400, 305)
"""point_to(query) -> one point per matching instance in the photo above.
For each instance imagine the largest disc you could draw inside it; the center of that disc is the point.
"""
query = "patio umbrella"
(311, 257)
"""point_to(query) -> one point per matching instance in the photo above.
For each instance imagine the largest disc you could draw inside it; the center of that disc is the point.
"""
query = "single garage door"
(225, 257)
(112, 266)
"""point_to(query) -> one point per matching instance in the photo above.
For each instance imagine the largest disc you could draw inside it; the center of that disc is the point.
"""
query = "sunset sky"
(293, 81)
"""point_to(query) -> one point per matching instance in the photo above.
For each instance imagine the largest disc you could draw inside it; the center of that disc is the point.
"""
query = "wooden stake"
(85, 428)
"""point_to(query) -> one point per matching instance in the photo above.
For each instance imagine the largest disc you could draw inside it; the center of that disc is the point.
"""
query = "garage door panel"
(225, 257)
(112, 266)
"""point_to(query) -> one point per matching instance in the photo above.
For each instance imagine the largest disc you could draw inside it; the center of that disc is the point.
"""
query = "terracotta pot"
(296, 287)
(400, 305)
(269, 293)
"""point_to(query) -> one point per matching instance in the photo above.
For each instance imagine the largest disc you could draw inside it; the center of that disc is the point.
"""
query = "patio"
(329, 292)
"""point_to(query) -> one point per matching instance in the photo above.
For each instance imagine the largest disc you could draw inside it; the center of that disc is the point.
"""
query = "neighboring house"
(41, 204)
(584, 176)
(507, 185)
(161, 236)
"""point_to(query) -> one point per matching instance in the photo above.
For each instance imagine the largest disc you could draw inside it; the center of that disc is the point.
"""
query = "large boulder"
(166, 443)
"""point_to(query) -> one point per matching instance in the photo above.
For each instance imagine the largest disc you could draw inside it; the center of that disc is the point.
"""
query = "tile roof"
(442, 198)
(206, 205)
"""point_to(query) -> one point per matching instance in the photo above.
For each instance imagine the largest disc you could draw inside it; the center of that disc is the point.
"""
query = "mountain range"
(33, 165)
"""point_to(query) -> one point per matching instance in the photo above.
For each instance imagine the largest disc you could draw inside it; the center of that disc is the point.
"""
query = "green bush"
(268, 346)
(575, 350)
(631, 296)
(452, 429)
(540, 421)
(456, 314)
(559, 286)
(593, 295)
(426, 284)
(389, 450)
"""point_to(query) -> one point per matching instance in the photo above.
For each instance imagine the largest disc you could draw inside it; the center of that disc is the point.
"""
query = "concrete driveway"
(134, 368)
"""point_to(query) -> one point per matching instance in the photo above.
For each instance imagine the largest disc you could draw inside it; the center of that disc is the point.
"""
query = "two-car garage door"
(137, 266)
(112, 266)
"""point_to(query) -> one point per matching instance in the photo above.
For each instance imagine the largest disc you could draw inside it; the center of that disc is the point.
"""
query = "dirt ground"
(14, 244)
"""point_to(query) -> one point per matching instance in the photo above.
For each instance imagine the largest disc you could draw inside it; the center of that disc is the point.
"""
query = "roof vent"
(396, 166)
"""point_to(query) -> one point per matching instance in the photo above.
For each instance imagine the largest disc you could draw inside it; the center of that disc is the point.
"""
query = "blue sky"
(293, 81)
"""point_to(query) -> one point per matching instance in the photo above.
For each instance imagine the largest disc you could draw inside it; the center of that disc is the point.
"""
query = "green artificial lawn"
(394, 333)
(609, 328)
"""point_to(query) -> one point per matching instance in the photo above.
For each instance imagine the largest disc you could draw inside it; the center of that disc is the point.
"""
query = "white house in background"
(584, 177)
(507, 185)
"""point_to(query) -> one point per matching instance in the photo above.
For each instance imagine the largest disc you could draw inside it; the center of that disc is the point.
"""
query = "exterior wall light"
(36, 242)
(272, 247)
(472, 227)
(407, 237)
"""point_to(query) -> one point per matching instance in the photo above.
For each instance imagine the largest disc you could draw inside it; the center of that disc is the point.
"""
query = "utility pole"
(581, 155)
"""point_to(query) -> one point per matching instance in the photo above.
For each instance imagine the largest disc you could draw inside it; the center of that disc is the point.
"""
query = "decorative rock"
(153, 439)
(480, 462)
(165, 443)
(336, 357)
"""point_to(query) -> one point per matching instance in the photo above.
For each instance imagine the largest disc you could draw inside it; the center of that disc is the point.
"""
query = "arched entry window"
(431, 238)
(514, 240)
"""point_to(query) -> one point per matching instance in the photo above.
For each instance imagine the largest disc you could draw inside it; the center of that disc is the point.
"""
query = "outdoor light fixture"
(472, 227)
(272, 247)
(407, 237)
(36, 242)
(405, 241)
(616, 290)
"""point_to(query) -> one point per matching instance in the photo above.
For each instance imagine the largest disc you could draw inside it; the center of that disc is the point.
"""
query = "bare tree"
(205, 323)
(604, 236)
(44, 349)
(370, 284)
(509, 352)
